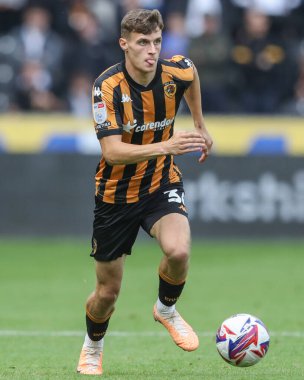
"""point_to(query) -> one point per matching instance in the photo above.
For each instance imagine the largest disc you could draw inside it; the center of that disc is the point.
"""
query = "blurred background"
(245, 203)
(250, 58)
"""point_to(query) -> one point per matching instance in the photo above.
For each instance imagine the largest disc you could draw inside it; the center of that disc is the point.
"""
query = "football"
(242, 340)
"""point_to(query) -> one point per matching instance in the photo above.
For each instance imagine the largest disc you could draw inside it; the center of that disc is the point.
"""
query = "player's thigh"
(172, 231)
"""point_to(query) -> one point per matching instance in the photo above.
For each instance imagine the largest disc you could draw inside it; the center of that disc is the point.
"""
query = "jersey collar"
(139, 86)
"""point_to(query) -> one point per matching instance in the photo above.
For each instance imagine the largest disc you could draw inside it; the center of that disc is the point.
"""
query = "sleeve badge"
(100, 112)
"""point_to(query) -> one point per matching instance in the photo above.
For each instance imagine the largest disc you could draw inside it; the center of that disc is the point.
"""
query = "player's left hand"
(208, 141)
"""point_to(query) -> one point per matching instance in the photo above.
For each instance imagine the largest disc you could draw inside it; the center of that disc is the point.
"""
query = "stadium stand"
(50, 51)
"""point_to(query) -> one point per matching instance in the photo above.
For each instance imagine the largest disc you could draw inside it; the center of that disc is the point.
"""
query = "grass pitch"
(44, 285)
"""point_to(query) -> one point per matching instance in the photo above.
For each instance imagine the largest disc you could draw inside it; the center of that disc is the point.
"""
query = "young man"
(137, 182)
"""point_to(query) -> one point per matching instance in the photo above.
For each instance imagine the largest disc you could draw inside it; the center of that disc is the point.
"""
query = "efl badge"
(170, 89)
(100, 112)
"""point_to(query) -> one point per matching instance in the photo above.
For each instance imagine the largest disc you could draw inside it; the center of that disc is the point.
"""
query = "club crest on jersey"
(100, 112)
(170, 89)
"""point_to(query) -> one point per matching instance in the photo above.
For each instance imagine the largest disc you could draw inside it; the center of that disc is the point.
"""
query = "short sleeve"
(183, 62)
(105, 107)
(181, 68)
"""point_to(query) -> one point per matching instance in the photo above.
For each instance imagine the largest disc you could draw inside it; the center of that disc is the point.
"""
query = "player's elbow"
(112, 152)
(111, 157)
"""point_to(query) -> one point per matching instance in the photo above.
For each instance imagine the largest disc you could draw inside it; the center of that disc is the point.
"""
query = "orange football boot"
(181, 333)
(90, 361)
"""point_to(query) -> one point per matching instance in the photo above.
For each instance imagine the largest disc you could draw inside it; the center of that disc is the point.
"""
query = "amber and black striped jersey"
(142, 115)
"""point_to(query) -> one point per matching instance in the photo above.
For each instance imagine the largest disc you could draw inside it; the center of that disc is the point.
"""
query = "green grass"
(44, 285)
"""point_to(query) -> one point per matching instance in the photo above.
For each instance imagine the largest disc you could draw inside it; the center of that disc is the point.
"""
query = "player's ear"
(123, 44)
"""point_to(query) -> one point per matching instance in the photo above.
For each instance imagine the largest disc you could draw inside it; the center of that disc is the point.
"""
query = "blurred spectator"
(8, 69)
(50, 51)
(151, 4)
(12, 4)
(295, 105)
(79, 94)
(262, 61)
(299, 87)
(164, 6)
(91, 51)
(33, 50)
(34, 89)
(287, 21)
(195, 12)
(173, 6)
(125, 6)
(128, 5)
(211, 55)
(10, 12)
(293, 25)
(232, 16)
(175, 41)
(37, 41)
(106, 13)
(269, 7)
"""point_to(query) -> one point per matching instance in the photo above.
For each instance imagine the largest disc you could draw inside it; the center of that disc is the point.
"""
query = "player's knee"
(108, 295)
(178, 254)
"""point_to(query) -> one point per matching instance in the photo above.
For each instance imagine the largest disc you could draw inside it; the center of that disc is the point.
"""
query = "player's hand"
(208, 144)
(186, 142)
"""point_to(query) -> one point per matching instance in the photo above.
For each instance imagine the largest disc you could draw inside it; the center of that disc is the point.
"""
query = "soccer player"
(137, 182)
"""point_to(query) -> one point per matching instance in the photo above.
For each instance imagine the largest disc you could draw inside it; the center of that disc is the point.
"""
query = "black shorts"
(116, 227)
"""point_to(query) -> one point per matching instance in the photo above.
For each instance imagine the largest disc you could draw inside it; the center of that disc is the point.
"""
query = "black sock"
(168, 293)
(96, 330)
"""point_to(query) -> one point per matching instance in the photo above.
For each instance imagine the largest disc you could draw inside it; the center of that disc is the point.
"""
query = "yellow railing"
(233, 135)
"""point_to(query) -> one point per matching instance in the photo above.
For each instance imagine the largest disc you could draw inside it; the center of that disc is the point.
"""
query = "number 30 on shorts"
(173, 196)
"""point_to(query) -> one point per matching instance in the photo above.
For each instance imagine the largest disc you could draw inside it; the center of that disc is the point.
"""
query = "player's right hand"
(185, 142)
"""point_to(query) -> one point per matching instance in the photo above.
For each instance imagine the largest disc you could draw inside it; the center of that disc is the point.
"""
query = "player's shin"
(168, 293)
(97, 327)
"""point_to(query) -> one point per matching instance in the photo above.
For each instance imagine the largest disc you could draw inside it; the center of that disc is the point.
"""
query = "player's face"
(142, 50)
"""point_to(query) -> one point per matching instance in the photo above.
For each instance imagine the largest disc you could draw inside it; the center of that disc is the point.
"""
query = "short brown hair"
(143, 21)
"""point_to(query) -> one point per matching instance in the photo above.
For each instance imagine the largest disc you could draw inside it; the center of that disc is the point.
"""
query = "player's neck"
(138, 76)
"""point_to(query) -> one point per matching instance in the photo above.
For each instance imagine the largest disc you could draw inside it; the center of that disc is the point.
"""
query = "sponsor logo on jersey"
(104, 125)
(126, 98)
(128, 127)
(188, 62)
(154, 126)
(98, 92)
(170, 89)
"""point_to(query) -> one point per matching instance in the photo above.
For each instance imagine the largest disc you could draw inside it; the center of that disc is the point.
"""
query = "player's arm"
(193, 99)
(109, 130)
(116, 152)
